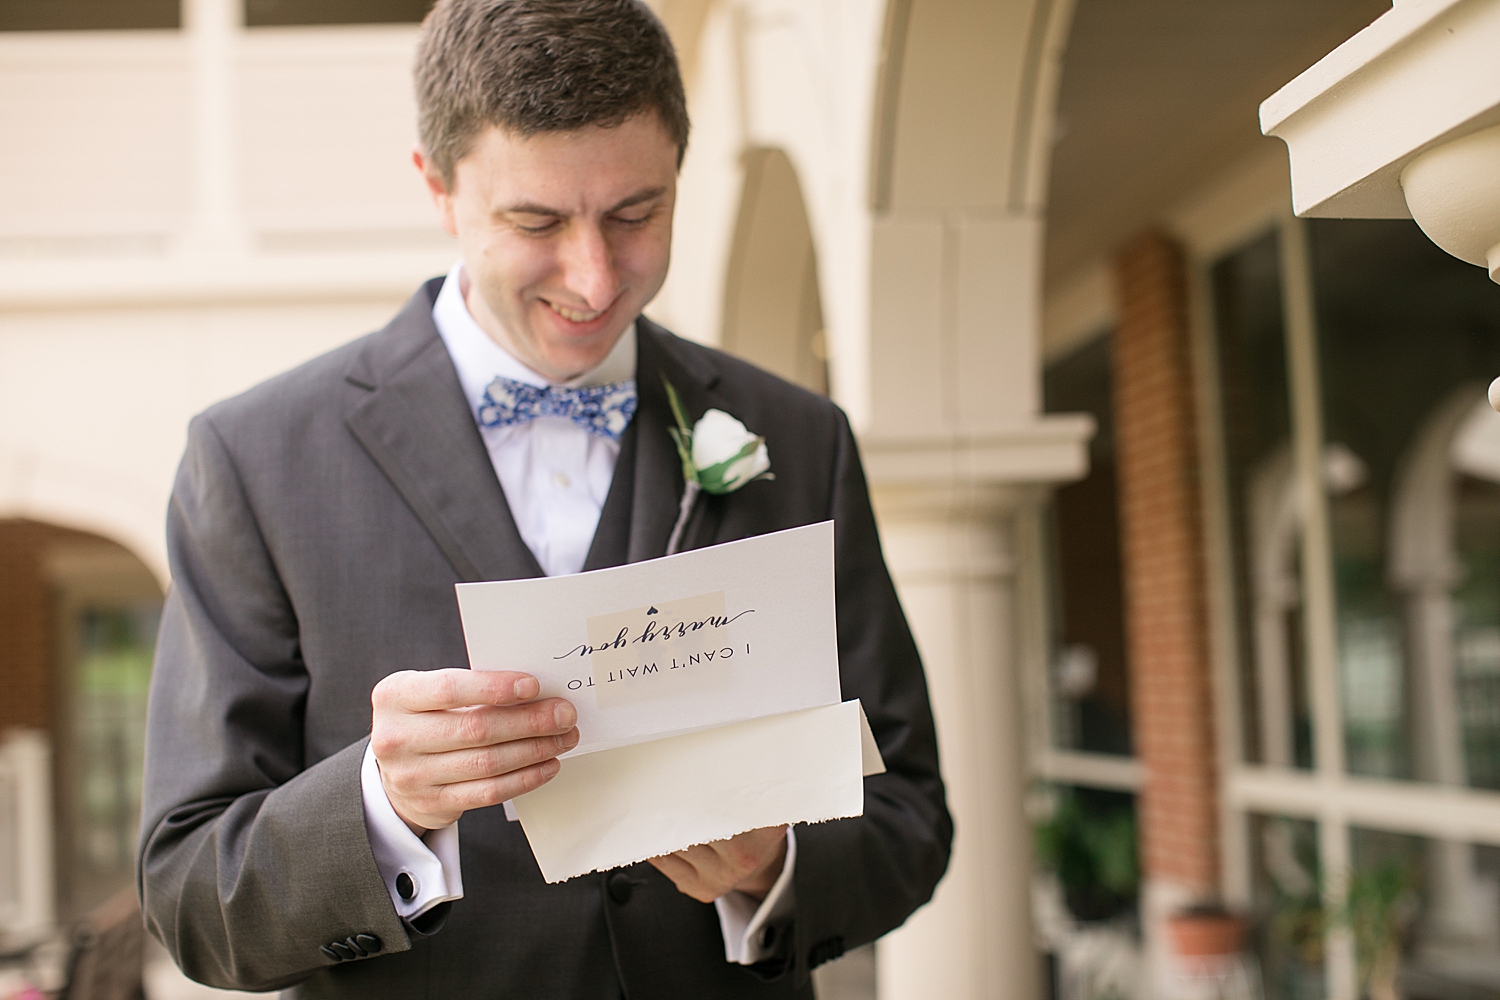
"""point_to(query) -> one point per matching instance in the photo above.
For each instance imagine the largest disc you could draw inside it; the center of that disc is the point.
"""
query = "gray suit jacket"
(318, 525)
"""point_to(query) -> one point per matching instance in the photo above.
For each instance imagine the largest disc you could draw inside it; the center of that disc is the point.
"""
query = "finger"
(726, 864)
(484, 725)
(443, 804)
(750, 850)
(711, 874)
(684, 876)
(478, 763)
(397, 735)
(434, 690)
(675, 868)
(702, 857)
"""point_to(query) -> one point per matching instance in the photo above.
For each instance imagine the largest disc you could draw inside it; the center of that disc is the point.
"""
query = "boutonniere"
(719, 455)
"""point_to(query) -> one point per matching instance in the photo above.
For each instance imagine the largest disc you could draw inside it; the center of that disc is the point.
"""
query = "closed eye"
(537, 225)
(634, 219)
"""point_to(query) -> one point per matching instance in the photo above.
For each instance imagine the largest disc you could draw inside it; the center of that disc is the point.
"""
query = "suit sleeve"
(252, 863)
(858, 878)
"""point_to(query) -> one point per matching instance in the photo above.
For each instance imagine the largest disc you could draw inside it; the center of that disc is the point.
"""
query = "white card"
(713, 636)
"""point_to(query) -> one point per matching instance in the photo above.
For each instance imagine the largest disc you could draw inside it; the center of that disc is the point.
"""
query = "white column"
(950, 548)
(212, 28)
(929, 238)
(26, 889)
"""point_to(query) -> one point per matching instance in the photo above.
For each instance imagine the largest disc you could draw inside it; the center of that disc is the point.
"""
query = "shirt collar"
(478, 359)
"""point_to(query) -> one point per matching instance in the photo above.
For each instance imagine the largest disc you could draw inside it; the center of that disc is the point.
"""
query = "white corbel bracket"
(1423, 73)
(1382, 110)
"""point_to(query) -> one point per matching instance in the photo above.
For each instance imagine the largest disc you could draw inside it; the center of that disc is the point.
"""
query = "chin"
(579, 349)
(569, 360)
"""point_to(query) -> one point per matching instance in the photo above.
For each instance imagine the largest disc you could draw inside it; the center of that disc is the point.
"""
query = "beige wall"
(150, 265)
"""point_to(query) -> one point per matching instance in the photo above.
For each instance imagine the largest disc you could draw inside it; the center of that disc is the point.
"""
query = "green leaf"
(684, 442)
(712, 478)
(682, 436)
(677, 414)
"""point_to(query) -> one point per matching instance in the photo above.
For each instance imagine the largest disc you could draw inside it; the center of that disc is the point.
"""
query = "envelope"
(616, 807)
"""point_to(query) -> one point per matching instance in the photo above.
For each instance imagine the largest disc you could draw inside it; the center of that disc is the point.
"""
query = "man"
(314, 736)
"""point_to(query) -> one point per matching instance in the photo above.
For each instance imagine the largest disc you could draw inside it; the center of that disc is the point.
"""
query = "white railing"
(26, 877)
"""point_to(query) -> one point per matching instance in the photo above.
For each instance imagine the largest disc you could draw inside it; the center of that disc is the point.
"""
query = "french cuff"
(419, 872)
(750, 928)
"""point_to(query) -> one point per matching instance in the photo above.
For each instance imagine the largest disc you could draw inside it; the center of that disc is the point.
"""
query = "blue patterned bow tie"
(599, 409)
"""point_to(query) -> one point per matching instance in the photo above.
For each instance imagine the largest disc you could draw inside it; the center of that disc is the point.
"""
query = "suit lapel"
(416, 426)
(658, 470)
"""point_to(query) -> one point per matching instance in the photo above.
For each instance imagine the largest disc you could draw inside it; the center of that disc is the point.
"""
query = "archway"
(1442, 556)
(773, 311)
(79, 615)
(919, 131)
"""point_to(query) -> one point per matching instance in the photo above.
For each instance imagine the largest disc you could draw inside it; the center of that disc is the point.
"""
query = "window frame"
(1328, 795)
(1046, 761)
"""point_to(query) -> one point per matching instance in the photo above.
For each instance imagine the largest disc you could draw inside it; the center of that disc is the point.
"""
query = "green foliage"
(1378, 908)
(1091, 847)
(1299, 923)
(682, 434)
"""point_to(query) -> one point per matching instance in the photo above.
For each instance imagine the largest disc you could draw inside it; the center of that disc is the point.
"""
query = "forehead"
(573, 171)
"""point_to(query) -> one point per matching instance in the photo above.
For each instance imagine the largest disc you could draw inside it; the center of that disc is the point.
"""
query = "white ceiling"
(1158, 96)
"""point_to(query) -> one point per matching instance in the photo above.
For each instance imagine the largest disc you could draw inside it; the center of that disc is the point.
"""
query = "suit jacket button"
(620, 888)
(335, 956)
(344, 951)
(369, 942)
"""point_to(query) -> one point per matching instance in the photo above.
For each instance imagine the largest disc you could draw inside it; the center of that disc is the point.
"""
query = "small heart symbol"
(652, 611)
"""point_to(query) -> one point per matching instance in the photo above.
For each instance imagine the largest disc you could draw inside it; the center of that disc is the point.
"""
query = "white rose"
(718, 438)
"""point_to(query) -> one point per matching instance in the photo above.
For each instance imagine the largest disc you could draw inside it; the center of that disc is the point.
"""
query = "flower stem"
(690, 492)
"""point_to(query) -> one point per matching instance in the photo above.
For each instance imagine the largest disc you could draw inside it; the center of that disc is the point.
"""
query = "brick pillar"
(26, 638)
(1165, 579)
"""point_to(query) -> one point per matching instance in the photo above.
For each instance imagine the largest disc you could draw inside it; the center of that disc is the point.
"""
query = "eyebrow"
(533, 208)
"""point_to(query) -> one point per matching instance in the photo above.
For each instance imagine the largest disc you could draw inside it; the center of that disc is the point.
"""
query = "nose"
(588, 266)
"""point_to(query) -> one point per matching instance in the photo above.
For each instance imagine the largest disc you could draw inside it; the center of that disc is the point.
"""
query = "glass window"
(268, 13)
(1408, 337)
(113, 643)
(1288, 903)
(88, 15)
(1425, 915)
(1265, 519)
(1402, 625)
(1090, 681)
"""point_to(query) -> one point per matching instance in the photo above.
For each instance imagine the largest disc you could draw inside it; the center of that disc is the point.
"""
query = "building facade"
(1201, 543)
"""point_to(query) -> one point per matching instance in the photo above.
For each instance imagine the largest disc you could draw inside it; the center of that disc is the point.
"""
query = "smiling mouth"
(575, 315)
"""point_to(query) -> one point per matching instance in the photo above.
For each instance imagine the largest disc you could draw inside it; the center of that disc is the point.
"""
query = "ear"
(438, 188)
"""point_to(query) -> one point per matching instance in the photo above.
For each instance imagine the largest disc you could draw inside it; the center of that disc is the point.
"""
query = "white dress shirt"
(555, 476)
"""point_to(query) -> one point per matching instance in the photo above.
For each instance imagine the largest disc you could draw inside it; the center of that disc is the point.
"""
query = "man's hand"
(750, 862)
(448, 741)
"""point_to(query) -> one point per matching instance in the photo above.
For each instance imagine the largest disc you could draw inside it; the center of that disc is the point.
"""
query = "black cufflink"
(406, 887)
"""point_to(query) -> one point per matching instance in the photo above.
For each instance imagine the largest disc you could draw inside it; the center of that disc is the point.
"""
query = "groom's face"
(565, 236)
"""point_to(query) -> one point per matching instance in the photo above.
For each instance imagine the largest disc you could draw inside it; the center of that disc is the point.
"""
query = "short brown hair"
(533, 66)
